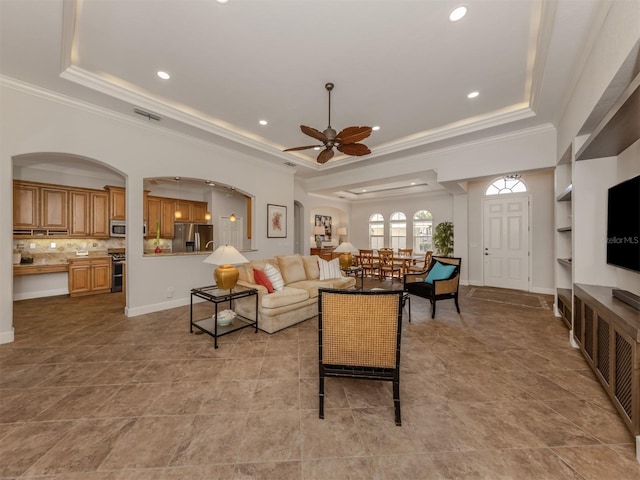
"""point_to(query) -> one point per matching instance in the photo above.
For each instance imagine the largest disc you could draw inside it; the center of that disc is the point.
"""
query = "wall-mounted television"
(623, 225)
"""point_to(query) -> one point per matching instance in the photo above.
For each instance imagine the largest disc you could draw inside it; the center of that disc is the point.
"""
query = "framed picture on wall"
(325, 222)
(276, 221)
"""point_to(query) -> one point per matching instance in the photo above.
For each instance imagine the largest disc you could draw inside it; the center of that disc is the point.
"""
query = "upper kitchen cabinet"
(117, 202)
(40, 207)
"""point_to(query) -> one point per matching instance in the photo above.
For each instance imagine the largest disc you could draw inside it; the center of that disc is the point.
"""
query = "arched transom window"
(506, 184)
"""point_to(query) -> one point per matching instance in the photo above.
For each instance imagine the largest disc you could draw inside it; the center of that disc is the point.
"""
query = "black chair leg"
(456, 301)
(396, 401)
(321, 397)
(433, 309)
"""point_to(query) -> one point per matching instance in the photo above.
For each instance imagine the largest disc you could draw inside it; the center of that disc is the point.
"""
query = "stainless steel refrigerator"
(193, 237)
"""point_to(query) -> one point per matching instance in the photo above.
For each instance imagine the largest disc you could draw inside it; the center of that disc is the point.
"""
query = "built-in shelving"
(564, 229)
(618, 129)
(565, 261)
(565, 195)
(564, 305)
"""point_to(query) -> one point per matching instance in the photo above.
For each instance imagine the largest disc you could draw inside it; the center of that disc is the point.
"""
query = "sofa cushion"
(261, 279)
(330, 269)
(291, 268)
(440, 271)
(274, 276)
(286, 296)
(311, 267)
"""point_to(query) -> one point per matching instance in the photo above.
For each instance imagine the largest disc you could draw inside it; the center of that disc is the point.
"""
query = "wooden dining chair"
(422, 266)
(406, 252)
(388, 265)
(368, 262)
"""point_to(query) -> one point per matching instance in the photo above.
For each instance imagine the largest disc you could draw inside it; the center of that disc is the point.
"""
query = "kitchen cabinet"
(88, 276)
(117, 202)
(40, 209)
(160, 212)
(79, 213)
(193, 211)
(99, 215)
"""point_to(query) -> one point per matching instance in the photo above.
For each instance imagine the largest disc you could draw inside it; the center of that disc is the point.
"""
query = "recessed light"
(223, 1)
(376, 128)
(458, 13)
(316, 148)
(413, 183)
(263, 122)
(473, 94)
(364, 190)
(163, 75)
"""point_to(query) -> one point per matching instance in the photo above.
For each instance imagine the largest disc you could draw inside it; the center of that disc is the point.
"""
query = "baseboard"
(474, 283)
(158, 307)
(543, 291)
(43, 293)
(7, 337)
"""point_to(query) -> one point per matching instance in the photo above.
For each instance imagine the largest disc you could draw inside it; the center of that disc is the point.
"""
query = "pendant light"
(232, 218)
(178, 213)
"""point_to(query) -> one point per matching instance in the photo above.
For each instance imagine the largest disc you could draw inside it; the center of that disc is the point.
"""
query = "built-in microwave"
(118, 228)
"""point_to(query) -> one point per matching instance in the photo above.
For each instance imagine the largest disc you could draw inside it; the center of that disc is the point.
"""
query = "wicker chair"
(414, 283)
(359, 337)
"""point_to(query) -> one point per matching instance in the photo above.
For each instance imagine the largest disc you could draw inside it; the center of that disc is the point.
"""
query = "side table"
(215, 295)
(354, 270)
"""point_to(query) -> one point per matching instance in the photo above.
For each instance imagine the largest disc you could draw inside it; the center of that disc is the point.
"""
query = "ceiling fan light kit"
(345, 142)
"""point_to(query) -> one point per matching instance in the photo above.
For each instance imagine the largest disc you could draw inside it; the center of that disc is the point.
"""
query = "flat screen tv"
(623, 225)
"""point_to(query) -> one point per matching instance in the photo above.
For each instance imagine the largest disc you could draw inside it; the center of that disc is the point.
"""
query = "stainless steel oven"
(118, 263)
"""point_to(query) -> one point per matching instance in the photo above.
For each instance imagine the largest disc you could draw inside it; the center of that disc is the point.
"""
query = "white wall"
(45, 123)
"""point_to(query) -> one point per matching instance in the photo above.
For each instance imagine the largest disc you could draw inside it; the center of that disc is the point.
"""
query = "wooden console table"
(608, 332)
(326, 253)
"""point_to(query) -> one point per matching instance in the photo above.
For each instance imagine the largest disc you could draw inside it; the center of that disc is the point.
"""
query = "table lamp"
(342, 232)
(347, 250)
(318, 231)
(226, 275)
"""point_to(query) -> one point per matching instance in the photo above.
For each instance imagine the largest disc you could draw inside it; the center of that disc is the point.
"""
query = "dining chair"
(388, 265)
(423, 266)
(407, 252)
(360, 338)
(368, 262)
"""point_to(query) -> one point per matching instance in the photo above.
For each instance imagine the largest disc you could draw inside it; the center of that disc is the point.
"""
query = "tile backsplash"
(36, 246)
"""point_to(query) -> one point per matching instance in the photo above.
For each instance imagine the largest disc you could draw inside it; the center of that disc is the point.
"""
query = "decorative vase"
(158, 249)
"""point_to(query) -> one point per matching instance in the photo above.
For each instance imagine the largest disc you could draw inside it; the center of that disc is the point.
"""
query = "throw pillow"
(291, 268)
(274, 276)
(261, 279)
(329, 269)
(440, 272)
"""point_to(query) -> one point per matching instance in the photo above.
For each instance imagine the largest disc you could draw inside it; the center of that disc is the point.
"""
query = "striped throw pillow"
(329, 269)
(274, 276)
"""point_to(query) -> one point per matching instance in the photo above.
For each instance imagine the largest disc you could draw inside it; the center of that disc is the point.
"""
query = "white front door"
(506, 242)
(231, 232)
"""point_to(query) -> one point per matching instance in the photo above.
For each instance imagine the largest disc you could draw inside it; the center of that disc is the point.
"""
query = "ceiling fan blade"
(354, 134)
(301, 148)
(356, 149)
(325, 155)
(312, 132)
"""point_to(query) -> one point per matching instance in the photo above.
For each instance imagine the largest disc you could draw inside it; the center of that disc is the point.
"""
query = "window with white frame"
(398, 230)
(376, 231)
(506, 184)
(422, 231)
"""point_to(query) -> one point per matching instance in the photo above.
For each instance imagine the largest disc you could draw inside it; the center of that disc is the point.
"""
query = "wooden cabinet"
(324, 253)
(160, 213)
(79, 213)
(117, 202)
(88, 276)
(25, 205)
(40, 206)
(193, 211)
(99, 215)
(608, 333)
(167, 212)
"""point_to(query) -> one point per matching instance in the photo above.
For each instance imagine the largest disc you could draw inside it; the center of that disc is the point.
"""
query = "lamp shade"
(318, 230)
(226, 276)
(347, 247)
(341, 231)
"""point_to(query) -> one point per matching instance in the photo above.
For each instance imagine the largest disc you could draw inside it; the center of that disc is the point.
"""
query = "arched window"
(422, 231)
(506, 184)
(376, 231)
(398, 230)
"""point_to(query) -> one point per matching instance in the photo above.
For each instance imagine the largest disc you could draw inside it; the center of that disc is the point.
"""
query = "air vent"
(290, 164)
(147, 115)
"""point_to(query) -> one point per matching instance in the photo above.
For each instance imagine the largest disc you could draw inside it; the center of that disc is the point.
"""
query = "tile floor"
(493, 393)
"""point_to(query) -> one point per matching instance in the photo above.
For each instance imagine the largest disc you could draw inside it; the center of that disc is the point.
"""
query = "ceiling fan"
(345, 141)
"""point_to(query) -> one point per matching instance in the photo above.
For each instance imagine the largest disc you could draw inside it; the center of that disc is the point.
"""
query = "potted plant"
(443, 239)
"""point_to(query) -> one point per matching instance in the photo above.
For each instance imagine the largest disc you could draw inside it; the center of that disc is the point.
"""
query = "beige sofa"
(298, 301)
